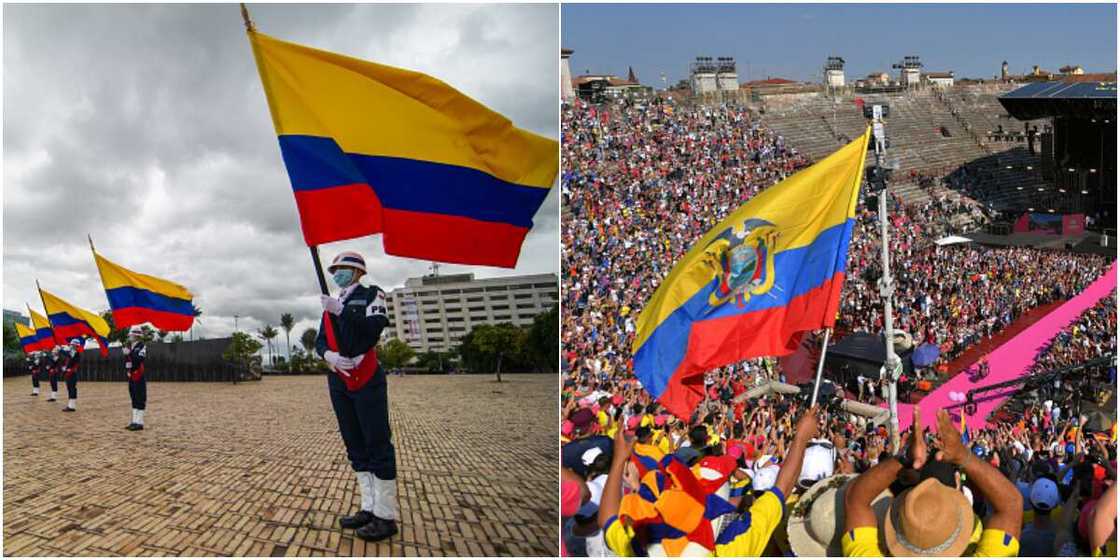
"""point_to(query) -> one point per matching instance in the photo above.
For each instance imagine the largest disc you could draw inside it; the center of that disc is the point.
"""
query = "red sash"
(70, 371)
(357, 378)
(137, 373)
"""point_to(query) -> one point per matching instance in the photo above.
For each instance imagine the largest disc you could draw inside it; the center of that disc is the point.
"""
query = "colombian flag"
(70, 321)
(750, 286)
(376, 149)
(27, 339)
(44, 336)
(137, 298)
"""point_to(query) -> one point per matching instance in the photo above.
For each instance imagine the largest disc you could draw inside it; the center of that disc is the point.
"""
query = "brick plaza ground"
(258, 469)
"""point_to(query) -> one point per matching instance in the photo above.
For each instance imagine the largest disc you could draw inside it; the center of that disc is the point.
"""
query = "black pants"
(363, 421)
(138, 392)
(54, 383)
(72, 386)
(35, 379)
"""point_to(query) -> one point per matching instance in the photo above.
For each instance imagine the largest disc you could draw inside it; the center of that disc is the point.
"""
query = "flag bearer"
(54, 368)
(347, 341)
(35, 365)
(134, 354)
(70, 360)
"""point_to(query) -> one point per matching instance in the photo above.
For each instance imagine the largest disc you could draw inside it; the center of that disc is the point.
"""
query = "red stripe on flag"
(337, 213)
(775, 331)
(452, 239)
(162, 320)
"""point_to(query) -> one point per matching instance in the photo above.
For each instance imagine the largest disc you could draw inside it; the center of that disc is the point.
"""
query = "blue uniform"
(363, 415)
(35, 366)
(134, 355)
(54, 368)
(69, 361)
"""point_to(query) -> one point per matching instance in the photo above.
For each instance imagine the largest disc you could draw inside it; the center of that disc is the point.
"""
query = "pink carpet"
(1009, 361)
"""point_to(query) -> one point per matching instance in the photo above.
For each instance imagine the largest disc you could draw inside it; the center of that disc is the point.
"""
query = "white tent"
(952, 239)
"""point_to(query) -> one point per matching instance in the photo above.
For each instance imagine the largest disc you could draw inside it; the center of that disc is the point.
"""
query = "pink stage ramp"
(1010, 360)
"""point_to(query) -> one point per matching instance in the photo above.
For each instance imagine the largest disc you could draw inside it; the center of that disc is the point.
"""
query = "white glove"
(331, 305)
(337, 361)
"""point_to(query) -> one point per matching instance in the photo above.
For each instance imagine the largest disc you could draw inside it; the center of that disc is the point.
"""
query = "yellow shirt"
(745, 536)
(864, 542)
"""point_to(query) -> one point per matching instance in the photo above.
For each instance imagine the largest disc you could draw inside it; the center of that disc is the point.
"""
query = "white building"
(433, 313)
(940, 79)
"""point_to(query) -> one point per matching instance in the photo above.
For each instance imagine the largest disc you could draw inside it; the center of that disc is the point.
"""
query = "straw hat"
(930, 519)
(816, 523)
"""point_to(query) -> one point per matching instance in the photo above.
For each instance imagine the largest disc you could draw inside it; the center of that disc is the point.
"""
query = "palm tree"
(197, 314)
(307, 339)
(268, 333)
(288, 323)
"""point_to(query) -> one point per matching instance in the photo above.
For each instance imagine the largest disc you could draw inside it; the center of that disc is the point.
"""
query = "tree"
(287, 322)
(486, 347)
(542, 346)
(268, 333)
(177, 337)
(115, 334)
(394, 353)
(162, 335)
(11, 339)
(307, 339)
(433, 361)
(197, 314)
(242, 348)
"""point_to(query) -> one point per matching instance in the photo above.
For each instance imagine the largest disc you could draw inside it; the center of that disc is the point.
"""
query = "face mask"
(343, 277)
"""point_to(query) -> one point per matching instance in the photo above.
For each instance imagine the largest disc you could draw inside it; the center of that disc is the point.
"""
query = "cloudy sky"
(146, 127)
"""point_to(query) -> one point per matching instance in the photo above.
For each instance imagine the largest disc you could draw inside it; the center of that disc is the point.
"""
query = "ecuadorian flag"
(750, 286)
(70, 321)
(376, 149)
(44, 336)
(27, 338)
(137, 298)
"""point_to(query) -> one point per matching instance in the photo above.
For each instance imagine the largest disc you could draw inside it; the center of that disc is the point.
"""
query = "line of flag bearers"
(54, 346)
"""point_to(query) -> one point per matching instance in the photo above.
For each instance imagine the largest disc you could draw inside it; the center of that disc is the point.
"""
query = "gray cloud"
(146, 126)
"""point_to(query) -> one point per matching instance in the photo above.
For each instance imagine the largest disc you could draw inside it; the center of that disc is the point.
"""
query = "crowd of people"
(754, 470)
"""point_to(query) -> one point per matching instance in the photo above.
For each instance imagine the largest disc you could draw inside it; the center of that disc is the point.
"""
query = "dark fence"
(199, 360)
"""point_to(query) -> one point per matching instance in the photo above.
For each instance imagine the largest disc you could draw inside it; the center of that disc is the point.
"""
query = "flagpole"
(249, 27)
(820, 367)
(892, 366)
(46, 311)
(319, 270)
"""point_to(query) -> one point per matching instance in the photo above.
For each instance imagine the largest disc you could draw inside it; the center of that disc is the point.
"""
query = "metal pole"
(319, 270)
(886, 291)
(820, 366)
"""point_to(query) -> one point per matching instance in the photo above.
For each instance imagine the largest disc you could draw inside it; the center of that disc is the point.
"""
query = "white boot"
(72, 403)
(34, 391)
(140, 417)
(134, 411)
(385, 499)
(54, 394)
(365, 486)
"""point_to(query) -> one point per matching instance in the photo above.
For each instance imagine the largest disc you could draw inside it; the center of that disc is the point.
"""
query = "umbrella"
(925, 355)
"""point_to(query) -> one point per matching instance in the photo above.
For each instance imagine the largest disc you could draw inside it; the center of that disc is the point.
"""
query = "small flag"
(136, 298)
(44, 336)
(27, 338)
(70, 321)
(376, 149)
(964, 429)
(751, 285)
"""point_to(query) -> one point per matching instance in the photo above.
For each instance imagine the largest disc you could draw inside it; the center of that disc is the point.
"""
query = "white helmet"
(135, 332)
(350, 259)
